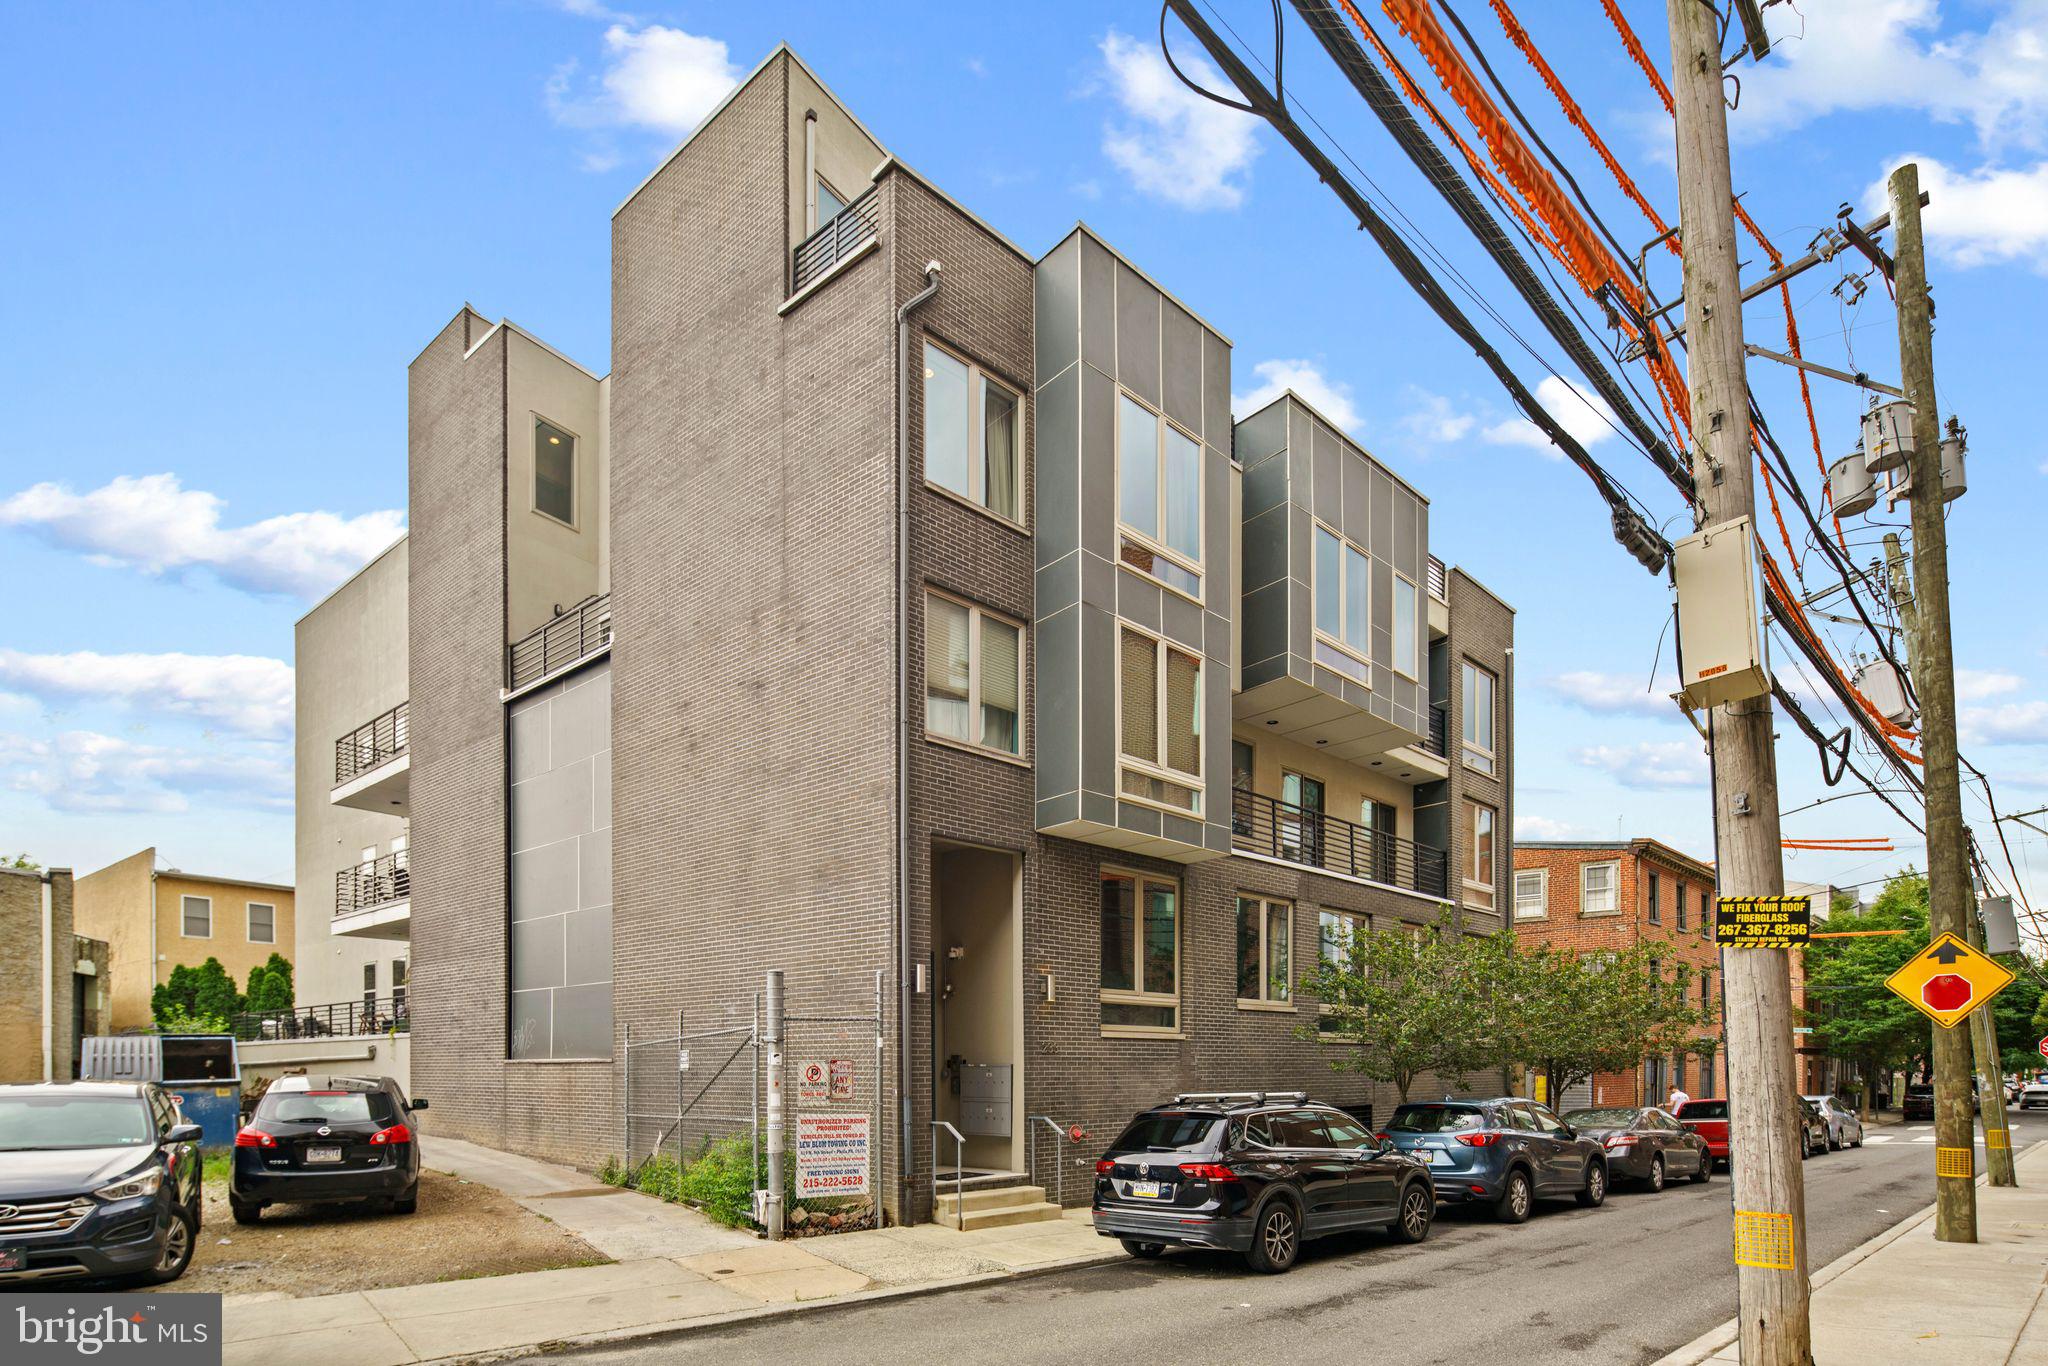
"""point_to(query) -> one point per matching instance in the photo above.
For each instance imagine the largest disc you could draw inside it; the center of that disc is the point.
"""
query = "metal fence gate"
(691, 1088)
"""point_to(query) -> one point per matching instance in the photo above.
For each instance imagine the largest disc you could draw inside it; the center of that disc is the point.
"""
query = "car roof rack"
(1250, 1097)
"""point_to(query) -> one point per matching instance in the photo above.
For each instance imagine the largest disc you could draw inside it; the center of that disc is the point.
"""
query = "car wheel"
(1594, 1193)
(176, 1254)
(1834, 1142)
(1859, 1139)
(1418, 1208)
(1706, 1170)
(1147, 1251)
(1276, 1239)
(245, 1214)
(407, 1203)
(1515, 1199)
(1656, 1177)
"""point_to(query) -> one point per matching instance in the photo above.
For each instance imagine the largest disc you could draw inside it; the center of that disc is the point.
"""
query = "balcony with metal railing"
(373, 765)
(845, 236)
(1270, 828)
(1438, 741)
(1439, 581)
(374, 899)
(338, 1019)
(573, 636)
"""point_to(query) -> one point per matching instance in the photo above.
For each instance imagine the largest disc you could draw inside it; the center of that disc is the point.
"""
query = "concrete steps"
(994, 1207)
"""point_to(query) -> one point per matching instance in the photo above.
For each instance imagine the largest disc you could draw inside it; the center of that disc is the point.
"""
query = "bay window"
(1160, 700)
(1159, 498)
(1343, 605)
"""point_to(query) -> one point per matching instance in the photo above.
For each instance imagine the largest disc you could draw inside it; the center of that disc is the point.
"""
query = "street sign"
(1948, 980)
(1762, 922)
(2044, 1048)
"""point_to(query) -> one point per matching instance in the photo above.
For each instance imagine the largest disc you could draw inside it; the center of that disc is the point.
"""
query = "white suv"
(2034, 1091)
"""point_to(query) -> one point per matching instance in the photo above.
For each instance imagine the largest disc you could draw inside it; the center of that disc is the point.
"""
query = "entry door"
(1376, 859)
(1301, 817)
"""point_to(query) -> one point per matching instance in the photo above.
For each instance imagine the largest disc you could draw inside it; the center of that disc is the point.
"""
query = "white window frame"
(1471, 885)
(1613, 892)
(975, 495)
(975, 613)
(1157, 544)
(1542, 901)
(1267, 905)
(1139, 996)
(1470, 671)
(1412, 637)
(183, 933)
(249, 923)
(575, 474)
(1161, 770)
(1359, 655)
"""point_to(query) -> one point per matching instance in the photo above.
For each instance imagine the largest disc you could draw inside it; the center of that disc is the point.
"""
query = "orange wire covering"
(1798, 623)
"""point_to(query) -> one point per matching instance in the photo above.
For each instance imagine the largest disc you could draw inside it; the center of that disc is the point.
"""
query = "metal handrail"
(581, 630)
(1059, 1169)
(377, 1015)
(836, 239)
(1438, 741)
(378, 882)
(375, 742)
(1266, 825)
(1438, 580)
(959, 1174)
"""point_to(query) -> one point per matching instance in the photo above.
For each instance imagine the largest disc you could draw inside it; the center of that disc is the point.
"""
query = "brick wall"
(21, 987)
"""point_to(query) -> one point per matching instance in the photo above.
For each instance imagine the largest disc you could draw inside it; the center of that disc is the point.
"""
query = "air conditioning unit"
(1888, 436)
(1720, 658)
(1851, 490)
(1880, 682)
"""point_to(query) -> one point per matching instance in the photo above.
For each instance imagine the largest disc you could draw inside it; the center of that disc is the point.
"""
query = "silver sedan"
(1845, 1128)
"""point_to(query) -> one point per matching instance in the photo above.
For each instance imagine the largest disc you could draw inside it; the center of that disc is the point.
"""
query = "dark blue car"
(1506, 1152)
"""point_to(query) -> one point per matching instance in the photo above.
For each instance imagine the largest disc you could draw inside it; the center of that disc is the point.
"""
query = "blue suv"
(1506, 1152)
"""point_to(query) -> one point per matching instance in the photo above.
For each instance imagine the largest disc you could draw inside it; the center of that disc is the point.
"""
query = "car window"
(1602, 1119)
(1435, 1119)
(326, 1107)
(1703, 1109)
(1346, 1132)
(1546, 1122)
(61, 1120)
(1167, 1131)
(1301, 1129)
(1259, 1129)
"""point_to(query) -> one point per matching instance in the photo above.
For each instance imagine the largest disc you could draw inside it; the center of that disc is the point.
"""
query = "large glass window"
(1161, 700)
(1479, 858)
(554, 472)
(973, 670)
(1343, 602)
(1140, 954)
(1264, 944)
(1478, 691)
(1159, 497)
(1406, 640)
(971, 437)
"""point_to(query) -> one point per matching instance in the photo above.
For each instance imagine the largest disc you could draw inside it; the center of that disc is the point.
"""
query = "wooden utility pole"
(1934, 681)
(1766, 1137)
(1983, 1028)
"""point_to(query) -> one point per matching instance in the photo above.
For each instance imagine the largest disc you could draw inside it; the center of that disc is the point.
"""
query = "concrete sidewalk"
(675, 1270)
(1903, 1297)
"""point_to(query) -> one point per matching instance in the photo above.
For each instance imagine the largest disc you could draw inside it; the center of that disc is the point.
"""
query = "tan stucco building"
(156, 920)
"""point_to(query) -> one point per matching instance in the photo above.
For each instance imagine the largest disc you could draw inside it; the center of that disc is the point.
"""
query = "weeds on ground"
(719, 1179)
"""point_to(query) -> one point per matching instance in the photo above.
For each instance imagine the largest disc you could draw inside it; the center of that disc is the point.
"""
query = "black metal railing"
(1266, 825)
(833, 242)
(579, 631)
(376, 883)
(368, 1015)
(370, 744)
(1437, 588)
(1438, 741)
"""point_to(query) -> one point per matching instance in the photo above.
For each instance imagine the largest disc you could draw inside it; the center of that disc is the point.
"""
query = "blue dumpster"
(202, 1071)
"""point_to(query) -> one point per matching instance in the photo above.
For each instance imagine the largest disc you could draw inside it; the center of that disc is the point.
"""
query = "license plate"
(1146, 1190)
(323, 1154)
(13, 1259)
(1433, 1156)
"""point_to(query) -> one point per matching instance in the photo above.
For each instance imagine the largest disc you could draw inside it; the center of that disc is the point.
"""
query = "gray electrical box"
(985, 1100)
(1720, 658)
(2001, 931)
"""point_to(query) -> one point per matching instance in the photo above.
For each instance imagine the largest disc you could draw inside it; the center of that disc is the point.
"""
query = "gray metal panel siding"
(1181, 382)
(1215, 390)
(1056, 285)
(1056, 517)
(1098, 305)
(1137, 334)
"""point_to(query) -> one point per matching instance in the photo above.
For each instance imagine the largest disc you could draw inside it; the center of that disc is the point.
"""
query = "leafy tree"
(205, 991)
(20, 861)
(175, 1020)
(1851, 1011)
(1410, 1000)
(2014, 1011)
(270, 984)
(1571, 1015)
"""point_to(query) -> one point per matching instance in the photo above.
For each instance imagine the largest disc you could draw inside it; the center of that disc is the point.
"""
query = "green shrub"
(720, 1180)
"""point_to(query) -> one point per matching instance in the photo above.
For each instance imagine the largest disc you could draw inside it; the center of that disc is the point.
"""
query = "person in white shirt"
(1675, 1099)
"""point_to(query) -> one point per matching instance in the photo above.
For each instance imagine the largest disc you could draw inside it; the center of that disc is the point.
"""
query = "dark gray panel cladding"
(1182, 381)
(1056, 511)
(1137, 334)
(1056, 288)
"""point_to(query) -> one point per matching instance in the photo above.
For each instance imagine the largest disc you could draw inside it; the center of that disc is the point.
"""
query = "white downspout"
(149, 1002)
(49, 969)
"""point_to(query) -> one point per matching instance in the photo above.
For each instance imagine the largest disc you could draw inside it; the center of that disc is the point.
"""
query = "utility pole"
(1983, 1028)
(1934, 679)
(1766, 1137)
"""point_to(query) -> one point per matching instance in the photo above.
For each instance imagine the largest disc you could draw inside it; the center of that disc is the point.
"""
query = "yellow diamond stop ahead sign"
(1948, 979)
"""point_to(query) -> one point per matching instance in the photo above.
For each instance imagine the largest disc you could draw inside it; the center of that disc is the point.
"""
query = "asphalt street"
(1625, 1283)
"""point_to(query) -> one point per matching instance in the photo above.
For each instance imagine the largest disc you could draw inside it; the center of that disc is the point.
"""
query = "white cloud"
(1434, 421)
(1850, 55)
(1974, 685)
(2009, 723)
(654, 77)
(85, 772)
(1331, 398)
(1614, 694)
(1582, 413)
(1175, 145)
(1651, 763)
(1533, 827)
(1981, 217)
(239, 692)
(154, 524)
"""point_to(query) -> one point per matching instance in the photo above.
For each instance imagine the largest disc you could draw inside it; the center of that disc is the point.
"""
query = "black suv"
(1254, 1172)
(323, 1139)
(96, 1179)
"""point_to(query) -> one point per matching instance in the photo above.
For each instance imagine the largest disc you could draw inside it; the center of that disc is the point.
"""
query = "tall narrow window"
(369, 989)
(830, 205)
(398, 987)
(197, 915)
(1161, 718)
(1678, 907)
(974, 675)
(1406, 640)
(1656, 900)
(1264, 944)
(971, 436)
(554, 472)
(1159, 497)
(1343, 603)
(1478, 690)
(1140, 954)
(1479, 860)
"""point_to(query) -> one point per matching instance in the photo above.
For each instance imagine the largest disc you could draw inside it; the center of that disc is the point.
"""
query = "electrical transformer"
(1880, 682)
(1719, 651)
(1888, 436)
(1851, 490)
(1953, 484)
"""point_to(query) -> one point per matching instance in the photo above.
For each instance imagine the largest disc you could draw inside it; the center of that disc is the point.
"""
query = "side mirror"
(418, 1104)
(183, 1133)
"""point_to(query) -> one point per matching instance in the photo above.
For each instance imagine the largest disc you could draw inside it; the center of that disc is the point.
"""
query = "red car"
(1708, 1119)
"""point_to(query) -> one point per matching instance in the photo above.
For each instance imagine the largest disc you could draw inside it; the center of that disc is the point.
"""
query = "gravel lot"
(460, 1231)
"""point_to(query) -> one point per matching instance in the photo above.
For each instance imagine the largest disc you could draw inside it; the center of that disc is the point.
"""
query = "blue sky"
(234, 226)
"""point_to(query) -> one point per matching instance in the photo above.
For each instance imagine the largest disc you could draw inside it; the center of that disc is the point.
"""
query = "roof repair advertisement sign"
(1762, 922)
(831, 1155)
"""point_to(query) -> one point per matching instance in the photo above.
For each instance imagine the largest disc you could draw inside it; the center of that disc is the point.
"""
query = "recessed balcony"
(373, 765)
(373, 900)
(1266, 827)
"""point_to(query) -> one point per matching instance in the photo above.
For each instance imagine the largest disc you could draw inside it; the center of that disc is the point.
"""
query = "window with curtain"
(972, 436)
(974, 675)
(1159, 497)
(1264, 958)
(554, 472)
(1343, 604)
(1160, 696)
(1140, 954)
(1478, 704)
(1479, 856)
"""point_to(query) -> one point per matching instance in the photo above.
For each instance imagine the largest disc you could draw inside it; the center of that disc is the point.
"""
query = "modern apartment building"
(903, 602)
(156, 919)
(1609, 895)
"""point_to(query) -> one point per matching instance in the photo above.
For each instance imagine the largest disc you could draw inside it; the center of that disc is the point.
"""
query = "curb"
(1714, 1339)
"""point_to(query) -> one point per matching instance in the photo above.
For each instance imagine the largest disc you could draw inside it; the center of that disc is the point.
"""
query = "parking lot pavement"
(1625, 1283)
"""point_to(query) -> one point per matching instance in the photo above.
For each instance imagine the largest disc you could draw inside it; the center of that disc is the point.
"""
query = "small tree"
(1858, 1017)
(270, 984)
(21, 862)
(1572, 1015)
(205, 991)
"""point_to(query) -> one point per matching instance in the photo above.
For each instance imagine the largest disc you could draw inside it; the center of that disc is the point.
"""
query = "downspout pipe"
(49, 971)
(904, 964)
